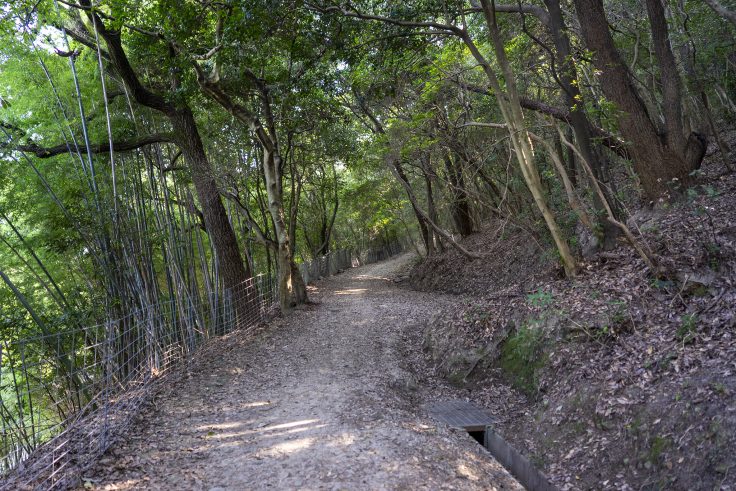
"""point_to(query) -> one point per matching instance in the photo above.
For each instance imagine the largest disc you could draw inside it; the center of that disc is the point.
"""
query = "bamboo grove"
(164, 152)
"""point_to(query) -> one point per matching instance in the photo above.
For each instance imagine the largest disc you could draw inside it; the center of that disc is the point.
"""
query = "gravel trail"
(322, 399)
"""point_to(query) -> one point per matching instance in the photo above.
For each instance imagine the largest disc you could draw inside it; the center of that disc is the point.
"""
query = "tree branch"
(608, 140)
(412, 197)
(397, 22)
(486, 125)
(730, 15)
(121, 146)
(534, 10)
(214, 89)
(78, 32)
(120, 62)
(260, 235)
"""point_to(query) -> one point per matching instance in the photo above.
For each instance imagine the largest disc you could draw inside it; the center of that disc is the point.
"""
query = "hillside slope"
(617, 379)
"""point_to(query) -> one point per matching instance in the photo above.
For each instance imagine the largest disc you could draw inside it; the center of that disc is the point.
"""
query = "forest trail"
(320, 400)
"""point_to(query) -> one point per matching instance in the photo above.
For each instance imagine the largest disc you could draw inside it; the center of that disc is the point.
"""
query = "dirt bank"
(620, 378)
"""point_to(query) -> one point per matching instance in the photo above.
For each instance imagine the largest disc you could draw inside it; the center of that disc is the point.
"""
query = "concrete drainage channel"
(479, 424)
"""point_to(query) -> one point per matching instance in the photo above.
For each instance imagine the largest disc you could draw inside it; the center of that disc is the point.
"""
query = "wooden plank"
(460, 414)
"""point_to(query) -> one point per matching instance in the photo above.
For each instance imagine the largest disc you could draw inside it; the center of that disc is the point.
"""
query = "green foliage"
(687, 329)
(523, 356)
(540, 298)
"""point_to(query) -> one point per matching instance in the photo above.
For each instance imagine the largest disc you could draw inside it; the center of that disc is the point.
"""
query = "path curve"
(322, 399)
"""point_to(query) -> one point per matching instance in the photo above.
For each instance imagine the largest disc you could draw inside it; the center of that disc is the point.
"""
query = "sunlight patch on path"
(319, 401)
(286, 448)
(351, 291)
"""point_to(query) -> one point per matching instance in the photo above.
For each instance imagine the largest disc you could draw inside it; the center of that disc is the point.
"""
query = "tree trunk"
(234, 273)
(233, 270)
(432, 212)
(581, 126)
(508, 102)
(662, 157)
(292, 290)
(426, 231)
(460, 203)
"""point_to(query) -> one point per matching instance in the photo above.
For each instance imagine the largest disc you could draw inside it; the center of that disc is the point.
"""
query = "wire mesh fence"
(376, 254)
(340, 260)
(66, 396)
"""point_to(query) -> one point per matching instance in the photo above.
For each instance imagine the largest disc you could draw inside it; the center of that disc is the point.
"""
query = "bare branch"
(412, 197)
(608, 140)
(260, 235)
(209, 54)
(648, 257)
(486, 125)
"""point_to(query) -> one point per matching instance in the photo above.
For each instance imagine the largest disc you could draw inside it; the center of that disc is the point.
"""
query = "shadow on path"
(319, 400)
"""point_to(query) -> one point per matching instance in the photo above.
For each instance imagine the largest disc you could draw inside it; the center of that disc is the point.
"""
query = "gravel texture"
(324, 398)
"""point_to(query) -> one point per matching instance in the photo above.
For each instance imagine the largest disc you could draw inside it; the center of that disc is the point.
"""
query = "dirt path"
(320, 400)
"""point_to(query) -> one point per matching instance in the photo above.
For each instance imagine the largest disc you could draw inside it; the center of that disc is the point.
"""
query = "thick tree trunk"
(300, 288)
(292, 290)
(662, 157)
(233, 270)
(234, 273)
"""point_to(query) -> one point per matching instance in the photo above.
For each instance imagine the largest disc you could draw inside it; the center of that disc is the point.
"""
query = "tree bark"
(508, 101)
(233, 270)
(398, 171)
(99, 148)
(663, 157)
(426, 230)
(432, 208)
(292, 290)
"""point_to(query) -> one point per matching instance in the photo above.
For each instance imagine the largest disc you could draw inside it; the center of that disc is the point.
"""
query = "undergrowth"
(523, 356)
